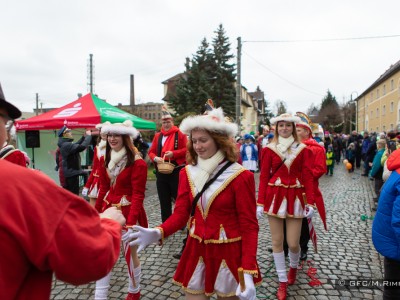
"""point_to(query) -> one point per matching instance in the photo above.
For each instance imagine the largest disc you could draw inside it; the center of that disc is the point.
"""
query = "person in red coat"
(46, 230)
(15, 156)
(304, 132)
(122, 183)
(91, 188)
(223, 228)
(285, 176)
(168, 144)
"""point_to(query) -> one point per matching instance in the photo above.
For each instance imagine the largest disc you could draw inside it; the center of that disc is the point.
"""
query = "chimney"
(132, 98)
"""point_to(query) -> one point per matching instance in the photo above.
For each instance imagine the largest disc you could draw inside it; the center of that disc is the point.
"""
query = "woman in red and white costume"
(91, 188)
(285, 175)
(223, 232)
(123, 176)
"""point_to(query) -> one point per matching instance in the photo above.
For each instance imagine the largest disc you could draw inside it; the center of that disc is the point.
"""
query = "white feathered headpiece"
(213, 120)
(120, 128)
(285, 117)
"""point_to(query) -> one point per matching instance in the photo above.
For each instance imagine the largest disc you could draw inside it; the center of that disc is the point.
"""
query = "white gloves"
(260, 211)
(85, 191)
(250, 292)
(308, 212)
(142, 237)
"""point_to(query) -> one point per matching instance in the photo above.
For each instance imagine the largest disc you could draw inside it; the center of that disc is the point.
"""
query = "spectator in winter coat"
(386, 226)
(71, 159)
(364, 149)
(351, 156)
(377, 169)
(330, 158)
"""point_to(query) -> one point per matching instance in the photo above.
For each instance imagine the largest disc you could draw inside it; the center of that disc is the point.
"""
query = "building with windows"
(378, 107)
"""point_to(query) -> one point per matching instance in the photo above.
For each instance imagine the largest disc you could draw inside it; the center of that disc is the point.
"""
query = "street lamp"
(351, 110)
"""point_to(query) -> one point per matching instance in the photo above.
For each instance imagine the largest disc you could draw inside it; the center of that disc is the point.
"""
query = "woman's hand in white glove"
(308, 212)
(250, 292)
(260, 211)
(85, 191)
(142, 237)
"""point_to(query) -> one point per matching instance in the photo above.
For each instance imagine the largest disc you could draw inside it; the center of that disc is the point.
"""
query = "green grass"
(150, 173)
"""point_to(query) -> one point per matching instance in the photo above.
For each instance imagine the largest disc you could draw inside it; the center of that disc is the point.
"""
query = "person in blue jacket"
(386, 226)
(249, 153)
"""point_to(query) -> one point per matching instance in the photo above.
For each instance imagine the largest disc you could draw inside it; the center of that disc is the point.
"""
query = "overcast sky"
(45, 46)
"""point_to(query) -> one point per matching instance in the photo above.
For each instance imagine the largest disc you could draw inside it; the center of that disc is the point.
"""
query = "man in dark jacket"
(71, 159)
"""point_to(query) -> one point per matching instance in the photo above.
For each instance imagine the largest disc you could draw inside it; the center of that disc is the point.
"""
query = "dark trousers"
(72, 184)
(391, 272)
(304, 237)
(167, 189)
(358, 160)
(378, 186)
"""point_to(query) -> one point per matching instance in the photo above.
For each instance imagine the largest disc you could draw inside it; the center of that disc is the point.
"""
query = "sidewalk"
(344, 252)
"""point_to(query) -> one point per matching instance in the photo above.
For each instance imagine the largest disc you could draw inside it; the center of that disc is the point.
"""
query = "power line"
(281, 77)
(327, 40)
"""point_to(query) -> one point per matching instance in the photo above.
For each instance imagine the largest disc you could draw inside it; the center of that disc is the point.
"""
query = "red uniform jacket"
(232, 210)
(288, 180)
(15, 156)
(318, 169)
(129, 185)
(94, 174)
(46, 229)
(179, 155)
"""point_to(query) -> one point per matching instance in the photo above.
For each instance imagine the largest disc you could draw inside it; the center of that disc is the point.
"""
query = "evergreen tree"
(329, 100)
(223, 89)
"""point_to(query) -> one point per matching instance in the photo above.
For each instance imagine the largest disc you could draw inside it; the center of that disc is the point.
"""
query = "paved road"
(345, 251)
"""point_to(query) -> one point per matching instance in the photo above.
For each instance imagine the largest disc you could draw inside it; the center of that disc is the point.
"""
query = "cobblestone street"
(345, 251)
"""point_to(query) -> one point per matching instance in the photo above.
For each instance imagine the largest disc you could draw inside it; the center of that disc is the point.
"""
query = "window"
(391, 106)
(377, 128)
(377, 93)
(384, 90)
(384, 128)
(371, 97)
(159, 115)
(145, 115)
(383, 110)
(391, 85)
(391, 126)
(154, 116)
(377, 112)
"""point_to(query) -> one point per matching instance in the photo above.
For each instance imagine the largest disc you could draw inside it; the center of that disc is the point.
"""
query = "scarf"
(116, 157)
(171, 131)
(207, 167)
(284, 143)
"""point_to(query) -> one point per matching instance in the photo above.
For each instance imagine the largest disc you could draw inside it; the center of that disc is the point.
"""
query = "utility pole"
(37, 103)
(238, 83)
(90, 75)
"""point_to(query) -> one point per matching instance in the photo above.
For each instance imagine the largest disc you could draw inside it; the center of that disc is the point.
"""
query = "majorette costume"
(41, 236)
(124, 187)
(93, 180)
(318, 163)
(285, 175)
(9, 153)
(223, 232)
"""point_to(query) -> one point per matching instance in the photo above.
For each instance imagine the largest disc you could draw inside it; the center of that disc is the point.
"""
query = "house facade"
(378, 107)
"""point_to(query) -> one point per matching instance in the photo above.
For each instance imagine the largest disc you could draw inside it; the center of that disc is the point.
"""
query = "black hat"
(62, 131)
(13, 112)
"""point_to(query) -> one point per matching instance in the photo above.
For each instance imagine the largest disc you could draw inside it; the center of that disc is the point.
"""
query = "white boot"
(102, 287)
(294, 259)
(280, 265)
(136, 275)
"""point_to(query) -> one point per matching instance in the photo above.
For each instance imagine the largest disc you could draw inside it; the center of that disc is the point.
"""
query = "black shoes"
(177, 256)
(303, 255)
